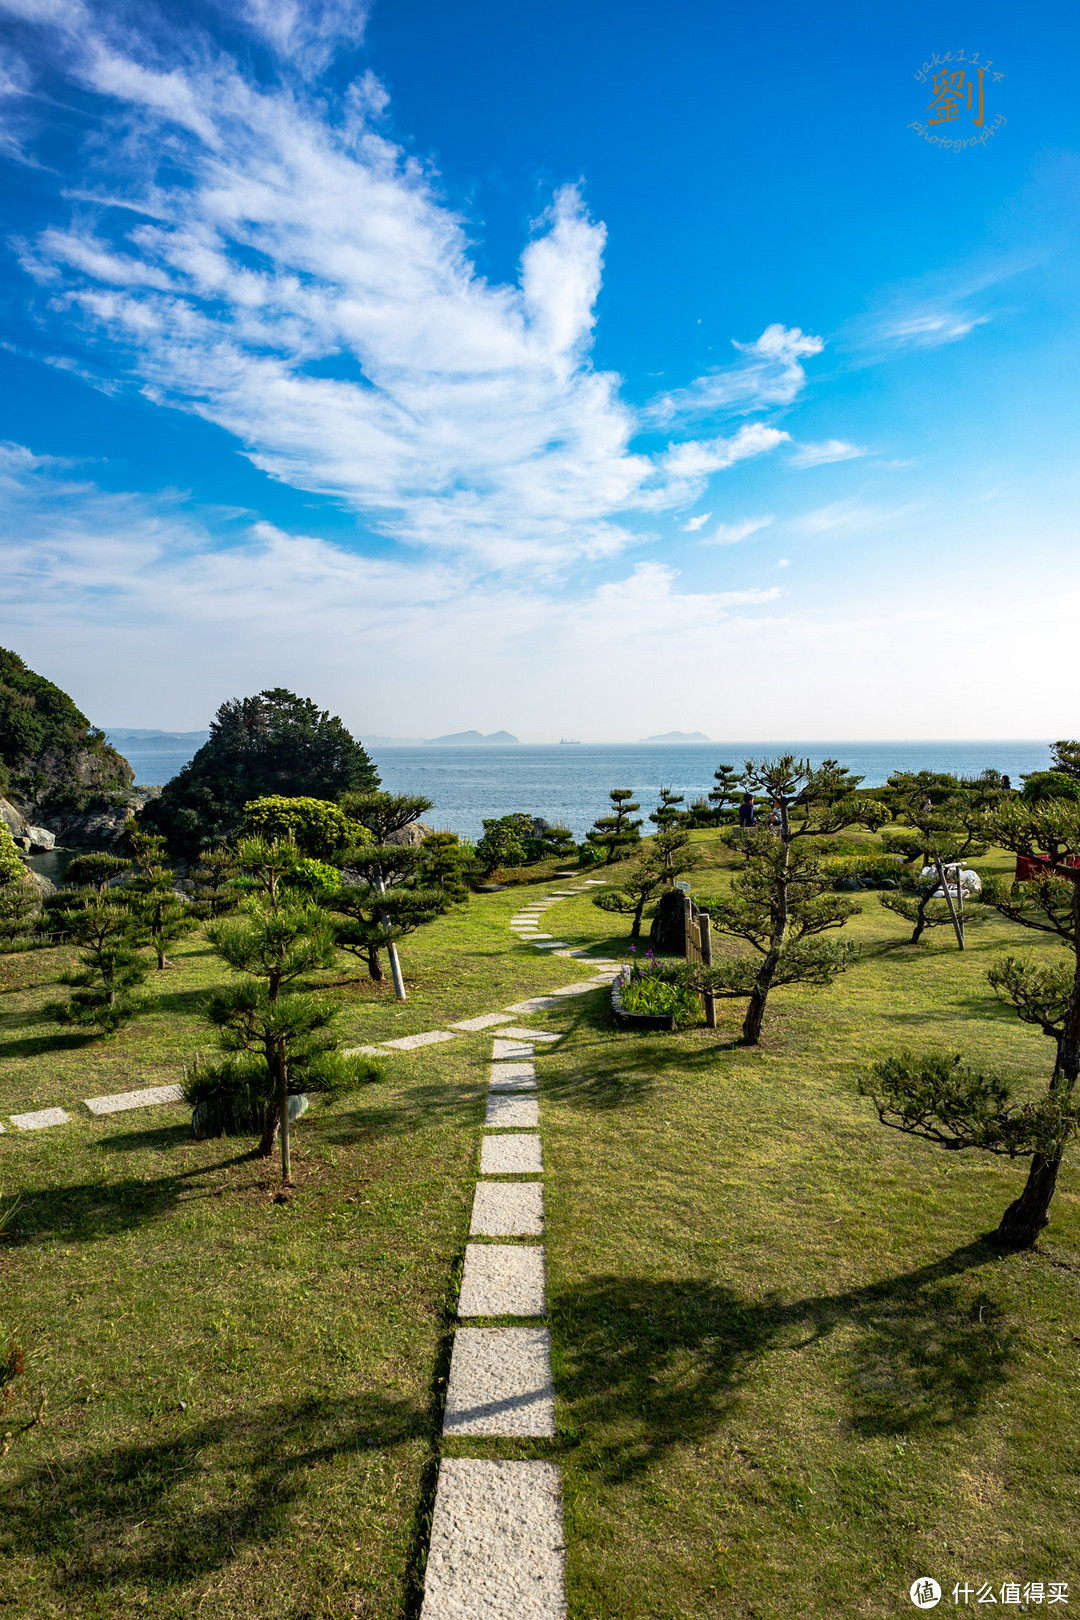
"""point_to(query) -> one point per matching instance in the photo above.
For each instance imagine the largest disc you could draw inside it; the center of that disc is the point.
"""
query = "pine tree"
(667, 855)
(103, 990)
(385, 863)
(781, 902)
(939, 835)
(156, 907)
(273, 1035)
(212, 882)
(667, 812)
(616, 833)
(18, 899)
(726, 791)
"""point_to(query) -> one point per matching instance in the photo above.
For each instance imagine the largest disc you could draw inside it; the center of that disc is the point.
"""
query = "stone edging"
(631, 1020)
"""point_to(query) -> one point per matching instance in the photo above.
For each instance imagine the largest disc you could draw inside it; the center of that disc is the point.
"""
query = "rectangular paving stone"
(363, 1051)
(551, 944)
(505, 1111)
(485, 1021)
(500, 1382)
(503, 1279)
(508, 1209)
(534, 1004)
(512, 1077)
(497, 1542)
(121, 1101)
(409, 1043)
(506, 1049)
(40, 1120)
(522, 1034)
(511, 1156)
(579, 989)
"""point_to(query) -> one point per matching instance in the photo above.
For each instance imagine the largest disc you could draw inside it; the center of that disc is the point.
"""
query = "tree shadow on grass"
(415, 1109)
(38, 1046)
(86, 1211)
(155, 1138)
(647, 1365)
(174, 1509)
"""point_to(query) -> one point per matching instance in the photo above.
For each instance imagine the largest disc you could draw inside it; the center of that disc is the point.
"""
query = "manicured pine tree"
(946, 1102)
(278, 1040)
(667, 812)
(616, 833)
(381, 900)
(780, 902)
(941, 834)
(726, 791)
(103, 990)
(667, 856)
(156, 907)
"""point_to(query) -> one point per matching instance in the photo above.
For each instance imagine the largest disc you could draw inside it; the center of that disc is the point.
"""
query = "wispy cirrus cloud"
(304, 285)
(729, 534)
(818, 455)
(769, 373)
(695, 523)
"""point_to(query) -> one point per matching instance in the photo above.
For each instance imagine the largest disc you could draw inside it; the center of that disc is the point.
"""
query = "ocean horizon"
(570, 784)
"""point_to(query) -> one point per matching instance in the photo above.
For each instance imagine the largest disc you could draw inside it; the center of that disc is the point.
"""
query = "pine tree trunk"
(375, 972)
(635, 931)
(270, 1131)
(755, 1012)
(1027, 1215)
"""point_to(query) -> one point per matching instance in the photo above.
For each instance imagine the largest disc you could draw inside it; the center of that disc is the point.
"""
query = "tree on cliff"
(49, 751)
(275, 743)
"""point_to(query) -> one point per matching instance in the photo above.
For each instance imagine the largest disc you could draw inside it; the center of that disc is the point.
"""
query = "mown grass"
(791, 1375)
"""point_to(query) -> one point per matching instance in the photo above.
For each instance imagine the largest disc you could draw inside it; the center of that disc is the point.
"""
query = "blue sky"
(590, 370)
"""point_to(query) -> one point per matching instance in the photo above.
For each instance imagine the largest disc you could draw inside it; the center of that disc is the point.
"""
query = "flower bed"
(642, 997)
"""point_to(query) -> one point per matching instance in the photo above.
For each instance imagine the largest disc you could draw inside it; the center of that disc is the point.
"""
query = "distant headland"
(677, 737)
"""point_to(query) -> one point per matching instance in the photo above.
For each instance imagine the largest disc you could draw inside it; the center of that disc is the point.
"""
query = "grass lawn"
(791, 1376)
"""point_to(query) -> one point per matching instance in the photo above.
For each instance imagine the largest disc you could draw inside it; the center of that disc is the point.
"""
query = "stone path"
(497, 1549)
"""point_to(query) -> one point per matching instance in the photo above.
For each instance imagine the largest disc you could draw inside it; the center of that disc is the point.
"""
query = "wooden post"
(706, 956)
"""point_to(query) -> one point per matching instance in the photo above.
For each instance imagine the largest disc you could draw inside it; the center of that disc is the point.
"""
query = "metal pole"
(705, 924)
(391, 951)
(947, 892)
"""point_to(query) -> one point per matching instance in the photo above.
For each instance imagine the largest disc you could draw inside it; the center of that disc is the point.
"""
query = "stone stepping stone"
(537, 935)
(500, 1383)
(512, 1049)
(121, 1101)
(512, 1077)
(40, 1120)
(551, 945)
(507, 1112)
(559, 894)
(485, 1021)
(503, 1279)
(511, 1156)
(508, 1209)
(497, 1542)
(409, 1043)
(363, 1051)
(534, 1004)
(578, 989)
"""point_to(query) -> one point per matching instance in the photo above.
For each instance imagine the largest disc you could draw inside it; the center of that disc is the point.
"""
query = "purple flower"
(633, 950)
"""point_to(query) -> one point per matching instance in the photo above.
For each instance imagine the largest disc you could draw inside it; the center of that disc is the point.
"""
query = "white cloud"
(304, 286)
(817, 455)
(696, 523)
(928, 328)
(770, 373)
(729, 534)
(847, 517)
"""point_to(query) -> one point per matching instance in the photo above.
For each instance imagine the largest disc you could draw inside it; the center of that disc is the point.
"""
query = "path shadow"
(648, 1365)
(154, 1514)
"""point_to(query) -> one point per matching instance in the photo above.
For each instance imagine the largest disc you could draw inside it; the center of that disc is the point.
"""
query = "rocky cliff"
(58, 775)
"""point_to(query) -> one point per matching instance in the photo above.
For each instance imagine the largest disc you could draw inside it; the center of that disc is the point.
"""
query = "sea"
(569, 783)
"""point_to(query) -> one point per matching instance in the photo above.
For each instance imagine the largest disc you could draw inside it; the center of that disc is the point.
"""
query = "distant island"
(154, 742)
(453, 739)
(677, 736)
